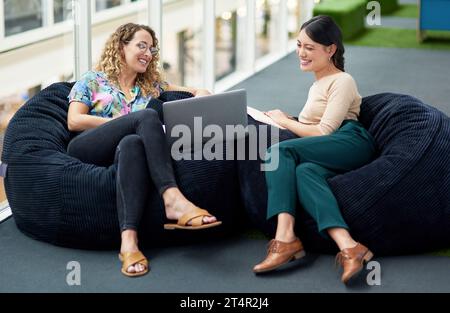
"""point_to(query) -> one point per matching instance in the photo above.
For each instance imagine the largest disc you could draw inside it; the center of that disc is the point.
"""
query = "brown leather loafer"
(279, 253)
(352, 260)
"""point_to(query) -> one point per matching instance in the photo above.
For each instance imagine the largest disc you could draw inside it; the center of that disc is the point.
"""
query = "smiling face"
(137, 53)
(314, 57)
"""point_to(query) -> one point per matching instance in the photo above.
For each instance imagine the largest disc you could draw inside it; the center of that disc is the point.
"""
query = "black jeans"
(136, 143)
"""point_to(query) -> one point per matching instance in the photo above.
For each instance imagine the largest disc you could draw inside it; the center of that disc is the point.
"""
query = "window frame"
(52, 29)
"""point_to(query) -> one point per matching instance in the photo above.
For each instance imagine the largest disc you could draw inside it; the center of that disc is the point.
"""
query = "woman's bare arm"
(300, 129)
(79, 120)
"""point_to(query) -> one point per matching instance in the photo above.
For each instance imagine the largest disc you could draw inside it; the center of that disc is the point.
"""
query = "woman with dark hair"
(109, 107)
(332, 142)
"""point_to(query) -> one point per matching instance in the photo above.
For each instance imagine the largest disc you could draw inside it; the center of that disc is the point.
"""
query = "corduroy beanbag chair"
(400, 202)
(60, 200)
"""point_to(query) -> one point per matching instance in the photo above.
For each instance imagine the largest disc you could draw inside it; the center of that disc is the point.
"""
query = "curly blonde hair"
(112, 60)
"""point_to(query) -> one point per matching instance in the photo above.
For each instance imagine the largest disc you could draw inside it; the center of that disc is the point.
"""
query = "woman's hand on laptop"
(202, 92)
(195, 91)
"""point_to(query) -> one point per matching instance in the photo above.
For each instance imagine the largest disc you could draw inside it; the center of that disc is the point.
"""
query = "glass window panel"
(293, 18)
(101, 5)
(22, 15)
(267, 24)
(230, 36)
(182, 42)
(62, 10)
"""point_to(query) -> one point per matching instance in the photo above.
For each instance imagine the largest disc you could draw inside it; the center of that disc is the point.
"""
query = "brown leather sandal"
(132, 258)
(196, 217)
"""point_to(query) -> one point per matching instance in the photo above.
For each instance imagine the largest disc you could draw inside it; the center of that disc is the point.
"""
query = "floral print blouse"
(104, 99)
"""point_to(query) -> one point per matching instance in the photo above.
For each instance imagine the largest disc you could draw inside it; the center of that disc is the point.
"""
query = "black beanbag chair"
(400, 202)
(60, 200)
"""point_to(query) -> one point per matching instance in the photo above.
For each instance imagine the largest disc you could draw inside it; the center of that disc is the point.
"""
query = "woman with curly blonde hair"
(109, 107)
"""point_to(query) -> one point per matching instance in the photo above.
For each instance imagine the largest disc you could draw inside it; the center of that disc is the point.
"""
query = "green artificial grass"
(444, 252)
(388, 6)
(401, 38)
(348, 14)
(406, 10)
(340, 6)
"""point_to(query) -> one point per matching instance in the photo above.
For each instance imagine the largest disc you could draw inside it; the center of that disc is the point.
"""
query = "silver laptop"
(208, 114)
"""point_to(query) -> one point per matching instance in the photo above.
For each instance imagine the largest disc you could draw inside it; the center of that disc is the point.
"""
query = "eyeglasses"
(144, 47)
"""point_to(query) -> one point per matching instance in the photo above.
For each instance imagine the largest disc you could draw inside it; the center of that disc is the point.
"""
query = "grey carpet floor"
(31, 266)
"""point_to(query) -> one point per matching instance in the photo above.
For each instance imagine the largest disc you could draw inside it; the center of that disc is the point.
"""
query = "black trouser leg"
(98, 146)
(132, 182)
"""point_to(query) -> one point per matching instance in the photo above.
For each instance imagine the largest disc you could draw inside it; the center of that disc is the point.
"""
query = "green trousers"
(304, 166)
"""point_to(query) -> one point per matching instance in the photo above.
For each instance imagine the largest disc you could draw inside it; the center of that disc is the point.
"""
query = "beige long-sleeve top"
(331, 100)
